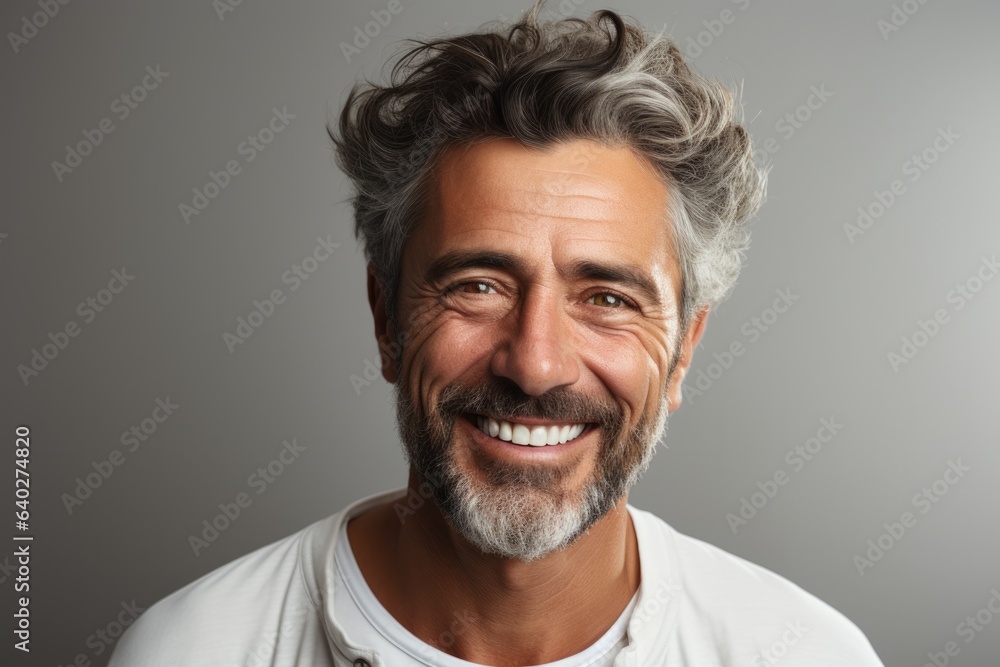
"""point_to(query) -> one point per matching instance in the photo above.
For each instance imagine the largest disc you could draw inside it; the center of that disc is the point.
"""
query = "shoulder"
(221, 616)
(730, 602)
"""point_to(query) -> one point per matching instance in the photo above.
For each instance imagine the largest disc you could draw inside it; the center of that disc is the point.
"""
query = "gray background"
(162, 335)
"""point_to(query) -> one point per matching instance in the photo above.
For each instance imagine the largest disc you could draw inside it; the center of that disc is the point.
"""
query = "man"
(548, 214)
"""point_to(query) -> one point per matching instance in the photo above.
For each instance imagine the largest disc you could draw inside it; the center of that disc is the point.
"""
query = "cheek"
(632, 365)
(446, 349)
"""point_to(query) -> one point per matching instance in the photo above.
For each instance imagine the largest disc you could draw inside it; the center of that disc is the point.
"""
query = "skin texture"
(543, 326)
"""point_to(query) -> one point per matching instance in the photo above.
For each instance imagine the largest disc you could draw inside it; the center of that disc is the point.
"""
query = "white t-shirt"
(281, 605)
(366, 621)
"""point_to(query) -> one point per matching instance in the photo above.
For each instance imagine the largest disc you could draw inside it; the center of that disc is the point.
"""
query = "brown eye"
(607, 300)
(476, 288)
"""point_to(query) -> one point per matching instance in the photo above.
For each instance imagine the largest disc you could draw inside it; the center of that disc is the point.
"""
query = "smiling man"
(549, 212)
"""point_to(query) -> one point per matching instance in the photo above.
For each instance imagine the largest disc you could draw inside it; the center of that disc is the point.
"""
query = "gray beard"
(523, 512)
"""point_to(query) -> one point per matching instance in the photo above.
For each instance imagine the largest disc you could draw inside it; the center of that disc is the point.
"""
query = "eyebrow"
(623, 274)
(620, 273)
(457, 260)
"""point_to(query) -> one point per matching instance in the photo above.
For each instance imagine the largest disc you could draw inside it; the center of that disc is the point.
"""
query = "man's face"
(542, 344)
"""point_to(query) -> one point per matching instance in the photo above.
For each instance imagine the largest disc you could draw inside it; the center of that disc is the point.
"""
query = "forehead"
(576, 198)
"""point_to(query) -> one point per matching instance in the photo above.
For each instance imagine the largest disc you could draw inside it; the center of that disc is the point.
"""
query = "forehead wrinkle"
(488, 192)
(593, 202)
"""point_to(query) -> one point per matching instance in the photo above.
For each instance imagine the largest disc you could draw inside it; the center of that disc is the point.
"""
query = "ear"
(691, 337)
(383, 330)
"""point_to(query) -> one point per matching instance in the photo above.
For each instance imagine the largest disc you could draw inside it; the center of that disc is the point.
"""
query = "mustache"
(502, 398)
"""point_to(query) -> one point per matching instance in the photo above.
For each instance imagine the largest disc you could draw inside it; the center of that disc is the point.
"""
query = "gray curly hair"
(541, 83)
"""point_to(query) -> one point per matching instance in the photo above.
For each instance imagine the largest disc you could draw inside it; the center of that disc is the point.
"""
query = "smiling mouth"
(532, 435)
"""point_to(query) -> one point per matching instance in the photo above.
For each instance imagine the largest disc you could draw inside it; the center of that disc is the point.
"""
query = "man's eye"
(475, 287)
(608, 300)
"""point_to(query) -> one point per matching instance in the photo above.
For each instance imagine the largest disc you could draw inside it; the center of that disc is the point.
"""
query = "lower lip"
(508, 450)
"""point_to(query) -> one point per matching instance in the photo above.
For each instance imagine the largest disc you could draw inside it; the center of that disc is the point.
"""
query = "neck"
(492, 610)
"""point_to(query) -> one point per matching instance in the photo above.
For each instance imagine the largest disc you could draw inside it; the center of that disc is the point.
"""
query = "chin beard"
(523, 512)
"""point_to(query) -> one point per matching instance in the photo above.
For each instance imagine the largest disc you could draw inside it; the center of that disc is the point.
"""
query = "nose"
(539, 354)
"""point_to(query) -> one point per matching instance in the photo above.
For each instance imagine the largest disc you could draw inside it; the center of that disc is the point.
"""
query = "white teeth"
(535, 436)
